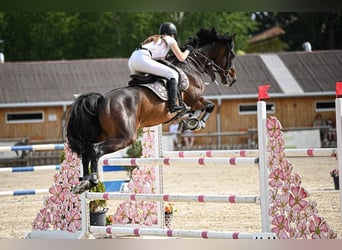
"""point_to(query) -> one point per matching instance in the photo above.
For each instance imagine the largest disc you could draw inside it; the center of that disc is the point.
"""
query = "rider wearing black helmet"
(156, 47)
(168, 29)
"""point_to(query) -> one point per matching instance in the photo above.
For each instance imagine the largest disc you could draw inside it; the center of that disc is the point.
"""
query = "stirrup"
(179, 109)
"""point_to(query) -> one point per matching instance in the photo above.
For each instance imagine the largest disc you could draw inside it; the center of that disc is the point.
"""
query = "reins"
(217, 67)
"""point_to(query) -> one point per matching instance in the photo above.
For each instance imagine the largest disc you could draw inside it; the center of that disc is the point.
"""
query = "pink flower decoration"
(73, 218)
(121, 214)
(57, 194)
(302, 231)
(135, 186)
(318, 227)
(312, 208)
(276, 178)
(62, 208)
(273, 127)
(43, 219)
(149, 174)
(281, 227)
(296, 199)
(142, 181)
(150, 213)
(292, 216)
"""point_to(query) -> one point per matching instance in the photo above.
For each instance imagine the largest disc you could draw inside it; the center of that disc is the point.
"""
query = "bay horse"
(99, 124)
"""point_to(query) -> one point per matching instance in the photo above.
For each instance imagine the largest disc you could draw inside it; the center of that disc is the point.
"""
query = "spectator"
(331, 131)
(320, 123)
(24, 141)
(188, 139)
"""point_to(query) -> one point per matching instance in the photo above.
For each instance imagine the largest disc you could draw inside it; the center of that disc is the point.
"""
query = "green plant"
(96, 205)
(134, 151)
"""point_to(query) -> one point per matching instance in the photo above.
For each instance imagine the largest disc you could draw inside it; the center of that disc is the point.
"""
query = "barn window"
(321, 106)
(24, 117)
(248, 109)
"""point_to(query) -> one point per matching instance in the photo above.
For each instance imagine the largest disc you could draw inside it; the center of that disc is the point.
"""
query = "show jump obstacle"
(199, 158)
(193, 161)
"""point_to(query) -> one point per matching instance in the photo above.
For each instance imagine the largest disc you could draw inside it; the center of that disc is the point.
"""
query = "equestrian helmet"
(167, 28)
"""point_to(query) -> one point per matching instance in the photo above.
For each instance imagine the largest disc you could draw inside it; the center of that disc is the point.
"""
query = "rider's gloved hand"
(189, 47)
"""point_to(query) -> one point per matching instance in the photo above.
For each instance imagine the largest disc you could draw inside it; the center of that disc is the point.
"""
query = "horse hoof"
(82, 187)
(94, 179)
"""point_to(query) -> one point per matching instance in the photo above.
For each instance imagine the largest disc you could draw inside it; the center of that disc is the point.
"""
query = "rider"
(156, 47)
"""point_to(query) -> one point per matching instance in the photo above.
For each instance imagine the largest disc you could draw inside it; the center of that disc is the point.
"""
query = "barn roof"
(289, 74)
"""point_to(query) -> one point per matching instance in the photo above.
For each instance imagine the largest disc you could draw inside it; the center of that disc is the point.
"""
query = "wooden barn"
(35, 96)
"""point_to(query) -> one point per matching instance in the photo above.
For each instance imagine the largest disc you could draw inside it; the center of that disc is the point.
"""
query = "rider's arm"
(181, 56)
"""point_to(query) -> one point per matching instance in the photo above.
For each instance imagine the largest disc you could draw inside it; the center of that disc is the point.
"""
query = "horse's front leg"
(209, 108)
(197, 119)
(206, 107)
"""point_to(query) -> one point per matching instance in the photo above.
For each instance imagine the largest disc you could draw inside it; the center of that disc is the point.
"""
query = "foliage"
(109, 220)
(293, 216)
(32, 36)
(96, 205)
(134, 151)
(62, 207)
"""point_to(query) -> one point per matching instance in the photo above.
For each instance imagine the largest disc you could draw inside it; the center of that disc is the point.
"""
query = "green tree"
(31, 36)
(322, 29)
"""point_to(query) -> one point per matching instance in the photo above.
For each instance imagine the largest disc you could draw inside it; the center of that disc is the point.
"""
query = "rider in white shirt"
(144, 60)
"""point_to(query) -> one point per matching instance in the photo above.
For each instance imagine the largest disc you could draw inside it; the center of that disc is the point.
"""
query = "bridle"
(217, 68)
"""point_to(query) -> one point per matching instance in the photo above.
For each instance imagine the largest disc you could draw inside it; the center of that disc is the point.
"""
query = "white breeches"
(141, 62)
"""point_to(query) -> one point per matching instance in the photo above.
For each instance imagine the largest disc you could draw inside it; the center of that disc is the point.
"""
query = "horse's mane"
(206, 36)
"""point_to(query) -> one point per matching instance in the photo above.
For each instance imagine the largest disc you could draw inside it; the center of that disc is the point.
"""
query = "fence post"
(338, 107)
(263, 170)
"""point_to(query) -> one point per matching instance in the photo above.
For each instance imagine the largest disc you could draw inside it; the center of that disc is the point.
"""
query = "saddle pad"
(157, 87)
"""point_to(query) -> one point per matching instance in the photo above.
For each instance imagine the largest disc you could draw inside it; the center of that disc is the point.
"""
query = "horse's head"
(217, 52)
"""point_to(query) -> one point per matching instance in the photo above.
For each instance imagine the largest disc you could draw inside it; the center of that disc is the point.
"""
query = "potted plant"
(169, 209)
(334, 173)
(98, 208)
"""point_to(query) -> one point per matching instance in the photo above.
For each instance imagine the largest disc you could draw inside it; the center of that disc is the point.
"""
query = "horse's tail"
(83, 127)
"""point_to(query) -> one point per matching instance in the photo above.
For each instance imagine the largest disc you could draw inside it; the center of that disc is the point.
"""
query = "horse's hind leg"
(109, 145)
(86, 181)
(85, 163)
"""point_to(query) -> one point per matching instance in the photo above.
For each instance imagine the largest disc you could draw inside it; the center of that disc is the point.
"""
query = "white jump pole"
(289, 152)
(173, 197)
(338, 107)
(232, 161)
(263, 171)
(180, 233)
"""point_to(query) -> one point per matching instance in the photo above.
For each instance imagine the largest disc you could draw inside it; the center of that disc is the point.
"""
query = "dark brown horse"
(100, 124)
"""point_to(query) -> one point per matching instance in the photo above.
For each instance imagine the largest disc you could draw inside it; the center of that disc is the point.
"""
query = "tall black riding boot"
(172, 91)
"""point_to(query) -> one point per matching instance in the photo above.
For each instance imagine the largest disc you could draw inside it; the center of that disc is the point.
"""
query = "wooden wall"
(46, 130)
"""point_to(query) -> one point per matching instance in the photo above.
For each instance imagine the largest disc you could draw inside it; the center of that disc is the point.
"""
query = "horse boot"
(86, 183)
(172, 92)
